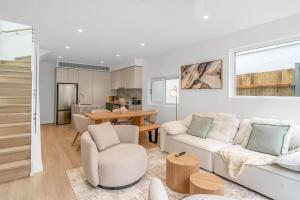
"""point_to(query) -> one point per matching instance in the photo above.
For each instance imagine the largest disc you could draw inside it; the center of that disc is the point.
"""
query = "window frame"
(164, 78)
(232, 66)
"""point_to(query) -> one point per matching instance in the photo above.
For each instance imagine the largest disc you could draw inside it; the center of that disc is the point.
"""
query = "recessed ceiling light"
(142, 44)
(79, 30)
(205, 17)
(60, 57)
(118, 55)
(68, 47)
(102, 62)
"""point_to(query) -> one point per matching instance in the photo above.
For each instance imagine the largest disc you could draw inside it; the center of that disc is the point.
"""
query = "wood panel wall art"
(206, 75)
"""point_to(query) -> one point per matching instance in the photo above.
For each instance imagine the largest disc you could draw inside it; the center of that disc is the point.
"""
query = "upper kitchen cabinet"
(98, 88)
(66, 75)
(85, 86)
(116, 79)
(61, 75)
(130, 77)
(73, 75)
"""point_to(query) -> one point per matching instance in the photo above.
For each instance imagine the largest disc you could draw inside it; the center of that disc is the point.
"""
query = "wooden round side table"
(179, 170)
(206, 183)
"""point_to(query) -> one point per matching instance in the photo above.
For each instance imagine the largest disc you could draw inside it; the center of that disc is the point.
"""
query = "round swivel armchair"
(117, 167)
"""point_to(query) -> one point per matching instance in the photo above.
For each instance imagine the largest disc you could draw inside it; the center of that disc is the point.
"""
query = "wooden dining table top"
(113, 115)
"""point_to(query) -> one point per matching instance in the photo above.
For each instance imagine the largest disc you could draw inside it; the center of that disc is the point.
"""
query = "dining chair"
(99, 111)
(80, 124)
(151, 119)
(123, 121)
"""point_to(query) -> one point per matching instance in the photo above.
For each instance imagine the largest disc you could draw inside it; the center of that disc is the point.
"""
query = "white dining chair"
(123, 121)
(99, 111)
(80, 124)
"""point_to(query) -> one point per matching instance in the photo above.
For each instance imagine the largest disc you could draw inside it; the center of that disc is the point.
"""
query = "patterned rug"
(156, 168)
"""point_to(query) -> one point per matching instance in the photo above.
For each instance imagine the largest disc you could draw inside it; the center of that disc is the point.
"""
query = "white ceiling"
(119, 26)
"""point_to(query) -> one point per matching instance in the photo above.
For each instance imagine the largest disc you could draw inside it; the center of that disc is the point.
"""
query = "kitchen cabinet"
(85, 86)
(116, 79)
(130, 77)
(73, 75)
(66, 75)
(61, 75)
(98, 88)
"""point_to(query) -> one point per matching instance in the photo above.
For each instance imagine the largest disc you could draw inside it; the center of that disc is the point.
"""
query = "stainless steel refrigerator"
(67, 95)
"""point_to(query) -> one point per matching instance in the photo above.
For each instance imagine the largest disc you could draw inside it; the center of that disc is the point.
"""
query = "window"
(268, 71)
(161, 88)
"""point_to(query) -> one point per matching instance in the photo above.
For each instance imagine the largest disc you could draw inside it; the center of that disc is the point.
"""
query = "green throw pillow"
(267, 138)
(200, 126)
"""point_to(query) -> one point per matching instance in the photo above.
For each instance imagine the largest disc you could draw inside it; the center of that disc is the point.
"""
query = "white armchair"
(118, 166)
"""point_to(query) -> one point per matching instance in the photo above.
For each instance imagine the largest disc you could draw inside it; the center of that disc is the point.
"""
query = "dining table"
(138, 117)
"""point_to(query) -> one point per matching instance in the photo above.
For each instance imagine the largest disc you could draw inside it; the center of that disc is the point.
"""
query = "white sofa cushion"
(295, 141)
(104, 135)
(188, 120)
(224, 127)
(290, 160)
(242, 130)
(174, 127)
(206, 144)
(287, 138)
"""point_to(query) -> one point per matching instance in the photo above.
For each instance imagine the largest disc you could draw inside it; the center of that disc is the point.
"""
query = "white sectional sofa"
(270, 180)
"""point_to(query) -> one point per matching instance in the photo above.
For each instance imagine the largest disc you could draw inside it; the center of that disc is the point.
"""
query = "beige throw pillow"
(104, 135)
(224, 127)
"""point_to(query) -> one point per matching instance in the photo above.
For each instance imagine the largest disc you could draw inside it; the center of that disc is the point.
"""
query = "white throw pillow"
(295, 140)
(188, 120)
(287, 138)
(224, 127)
(104, 135)
(241, 133)
(174, 128)
(291, 160)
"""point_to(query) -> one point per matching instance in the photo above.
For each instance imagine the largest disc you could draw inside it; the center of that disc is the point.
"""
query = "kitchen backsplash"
(129, 93)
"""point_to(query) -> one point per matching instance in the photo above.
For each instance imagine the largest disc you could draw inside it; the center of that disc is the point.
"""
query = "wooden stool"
(179, 170)
(206, 183)
(149, 128)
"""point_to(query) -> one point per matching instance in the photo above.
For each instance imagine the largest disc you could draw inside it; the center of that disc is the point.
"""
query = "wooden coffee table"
(206, 183)
(179, 170)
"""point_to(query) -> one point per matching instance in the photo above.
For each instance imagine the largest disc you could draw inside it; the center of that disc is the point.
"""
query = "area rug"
(156, 168)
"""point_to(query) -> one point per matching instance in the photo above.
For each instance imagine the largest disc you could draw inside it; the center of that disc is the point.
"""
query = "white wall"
(13, 45)
(218, 99)
(47, 92)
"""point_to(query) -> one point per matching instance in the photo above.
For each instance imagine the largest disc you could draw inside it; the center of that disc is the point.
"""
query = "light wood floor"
(58, 156)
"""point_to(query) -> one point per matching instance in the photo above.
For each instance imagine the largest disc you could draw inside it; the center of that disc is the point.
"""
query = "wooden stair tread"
(15, 97)
(17, 105)
(11, 76)
(15, 124)
(13, 70)
(15, 64)
(14, 114)
(17, 89)
(14, 165)
(15, 149)
(14, 136)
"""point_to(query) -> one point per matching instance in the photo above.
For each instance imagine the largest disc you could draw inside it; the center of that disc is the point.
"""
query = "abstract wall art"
(206, 75)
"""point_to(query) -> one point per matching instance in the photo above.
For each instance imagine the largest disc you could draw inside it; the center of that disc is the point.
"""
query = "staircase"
(15, 118)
